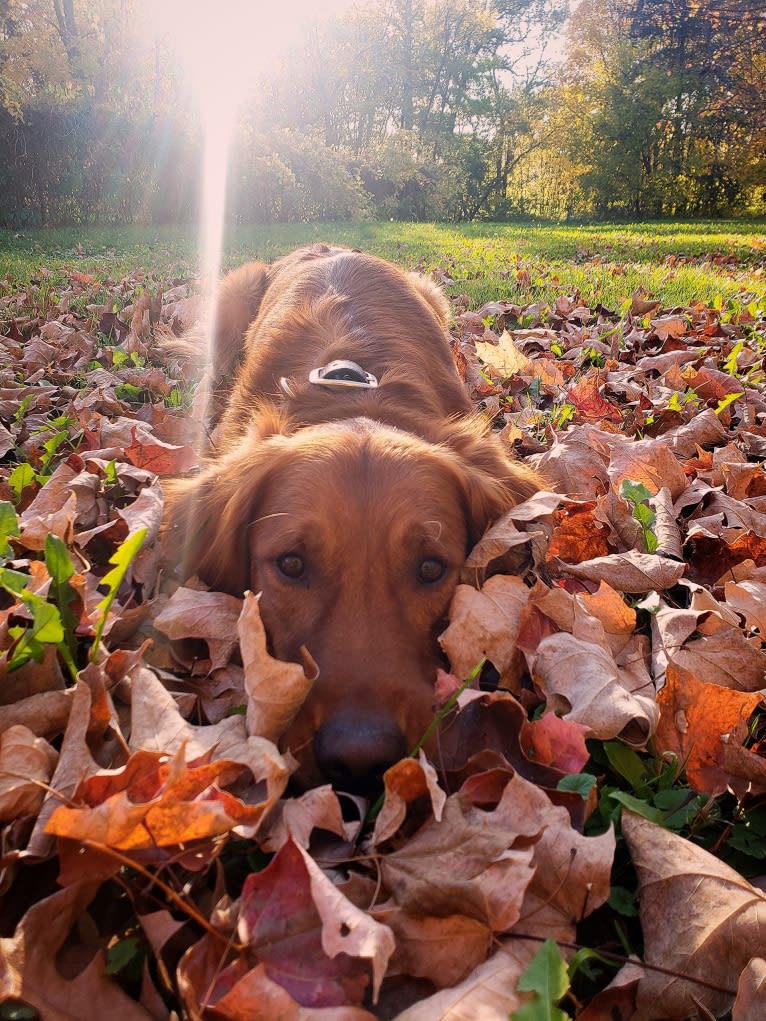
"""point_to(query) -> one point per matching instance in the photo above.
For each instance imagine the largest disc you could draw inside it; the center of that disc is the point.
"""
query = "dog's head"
(355, 534)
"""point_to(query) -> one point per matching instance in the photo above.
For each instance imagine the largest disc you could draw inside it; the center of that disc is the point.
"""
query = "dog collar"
(342, 373)
(337, 374)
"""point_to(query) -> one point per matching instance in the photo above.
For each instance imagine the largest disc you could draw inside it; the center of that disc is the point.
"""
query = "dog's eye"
(430, 570)
(292, 565)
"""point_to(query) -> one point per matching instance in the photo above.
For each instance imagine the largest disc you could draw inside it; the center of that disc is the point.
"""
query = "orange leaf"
(586, 397)
(695, 718)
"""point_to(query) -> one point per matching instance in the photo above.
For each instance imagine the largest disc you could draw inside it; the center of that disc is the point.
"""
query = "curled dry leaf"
(74, 764)
(650, 462)
(496, 541)
(302, 931)
(472, 862)
(719, 924)
(572, 872)
(318, 808)
(405, 782)
(154, 811)
(489, 992)
(589, 401)
(666, 529)
(557, 742)
(583, 682)
(211, 616)
(241, 993)
(748, 598)
(157, 725)
(26, 765)
(632, 572)
(485, 624)
(160, 457)
(751, 992)
(275, 690)
(45, 713)
(442, 950)
(28, 969)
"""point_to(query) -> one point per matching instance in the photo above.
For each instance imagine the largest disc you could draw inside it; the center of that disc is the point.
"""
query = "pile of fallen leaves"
(582, 846)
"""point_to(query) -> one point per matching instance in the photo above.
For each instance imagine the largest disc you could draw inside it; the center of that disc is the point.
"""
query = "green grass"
(679, 263)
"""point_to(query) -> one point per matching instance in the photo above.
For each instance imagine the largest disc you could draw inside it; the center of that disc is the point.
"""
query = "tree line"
(411, 109)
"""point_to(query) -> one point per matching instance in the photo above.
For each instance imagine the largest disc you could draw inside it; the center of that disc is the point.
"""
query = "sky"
(229, 39)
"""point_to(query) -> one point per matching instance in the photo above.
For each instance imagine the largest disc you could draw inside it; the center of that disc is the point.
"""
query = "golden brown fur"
(350, 510)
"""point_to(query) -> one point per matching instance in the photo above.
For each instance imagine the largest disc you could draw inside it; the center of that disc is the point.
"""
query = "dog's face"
(355, 534)
(357, 556)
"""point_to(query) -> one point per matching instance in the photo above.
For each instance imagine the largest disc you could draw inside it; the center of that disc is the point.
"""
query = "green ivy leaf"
(578, 783)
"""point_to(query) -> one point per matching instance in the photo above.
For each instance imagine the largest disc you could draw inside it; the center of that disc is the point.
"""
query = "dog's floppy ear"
(493, 480)
(207, 517)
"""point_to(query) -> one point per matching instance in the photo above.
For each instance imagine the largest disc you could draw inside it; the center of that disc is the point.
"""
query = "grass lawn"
(679, 263)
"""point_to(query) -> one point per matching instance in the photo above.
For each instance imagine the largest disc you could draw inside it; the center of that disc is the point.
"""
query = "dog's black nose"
(353, 750)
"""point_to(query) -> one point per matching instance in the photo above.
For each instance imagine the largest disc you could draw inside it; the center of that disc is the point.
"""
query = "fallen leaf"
(275, 689)
(751, 992)
(626, 572)
(719, 924)
(26, 765)
(504, 356)
(29, 972)
(583, 682)
(695, 718)
(484, 624)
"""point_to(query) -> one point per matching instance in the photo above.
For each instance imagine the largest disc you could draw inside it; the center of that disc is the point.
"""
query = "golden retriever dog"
(348, 482)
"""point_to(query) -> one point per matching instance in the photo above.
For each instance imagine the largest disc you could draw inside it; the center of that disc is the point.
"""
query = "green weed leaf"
(9, 525)
(122, 558)
(726, 401)
(30, 642)
(579, 783)
(636, 494)
(642, 808)
(548, 978)
(61, 569)
(23, 475)
(626, 763)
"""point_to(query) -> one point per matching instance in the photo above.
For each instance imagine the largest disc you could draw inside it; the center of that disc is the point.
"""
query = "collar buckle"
(342, 374)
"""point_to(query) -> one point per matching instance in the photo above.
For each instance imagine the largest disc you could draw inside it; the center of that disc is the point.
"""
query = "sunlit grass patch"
(678, 263)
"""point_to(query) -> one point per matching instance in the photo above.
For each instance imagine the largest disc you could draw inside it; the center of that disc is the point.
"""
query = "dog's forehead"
(366, 465)
(394, 485)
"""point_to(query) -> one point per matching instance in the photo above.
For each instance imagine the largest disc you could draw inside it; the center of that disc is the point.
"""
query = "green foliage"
(547, 977)
(482, 259)
(635, 495)
(727, 400)
(415, 109)
(122, 558)
(9, 525)
(23, 475)
(126, 958)
(580, 783)
(61, 570)
(54, 619)
(52, 623)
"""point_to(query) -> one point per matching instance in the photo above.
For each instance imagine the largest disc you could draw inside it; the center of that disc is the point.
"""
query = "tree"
(671, 111)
